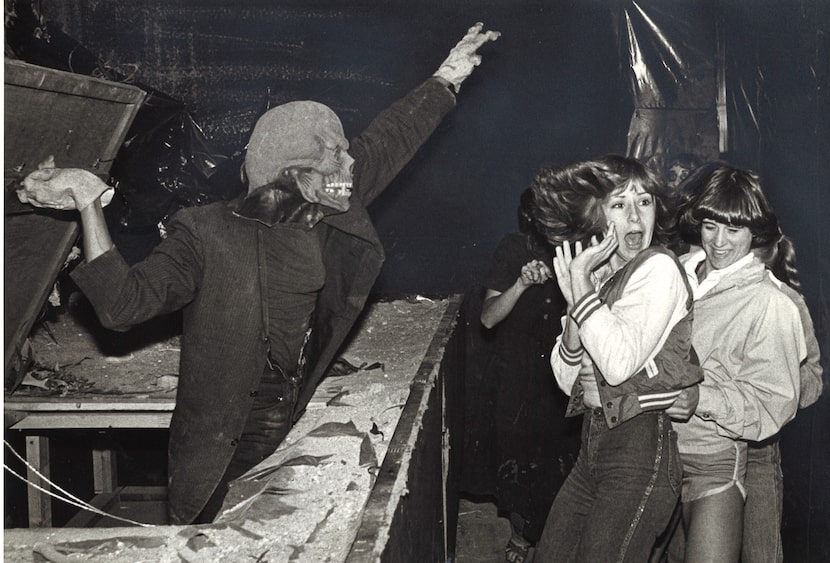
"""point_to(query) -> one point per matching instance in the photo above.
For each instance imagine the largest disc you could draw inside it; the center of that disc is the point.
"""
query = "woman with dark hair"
(750, 342)
(522, 305)
(623, 356)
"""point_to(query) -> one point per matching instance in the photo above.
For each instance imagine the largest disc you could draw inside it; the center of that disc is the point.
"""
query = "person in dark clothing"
(269, 284)
(523, 306)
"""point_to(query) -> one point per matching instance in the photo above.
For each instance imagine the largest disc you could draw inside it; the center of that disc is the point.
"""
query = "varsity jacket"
(671, 368)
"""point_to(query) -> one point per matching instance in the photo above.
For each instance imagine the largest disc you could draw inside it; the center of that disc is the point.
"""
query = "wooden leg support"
(40, 504)
(104, 471)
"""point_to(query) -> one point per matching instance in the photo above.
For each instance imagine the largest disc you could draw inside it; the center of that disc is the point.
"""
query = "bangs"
(730, 206)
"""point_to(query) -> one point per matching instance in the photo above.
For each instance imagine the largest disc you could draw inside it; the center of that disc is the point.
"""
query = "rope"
(70, 498)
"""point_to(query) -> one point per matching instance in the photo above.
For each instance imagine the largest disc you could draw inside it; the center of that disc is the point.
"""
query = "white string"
(42, 477)
(82, 506)
(70, 498)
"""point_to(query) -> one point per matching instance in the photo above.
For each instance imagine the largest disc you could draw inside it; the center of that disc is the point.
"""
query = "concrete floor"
(482, 533)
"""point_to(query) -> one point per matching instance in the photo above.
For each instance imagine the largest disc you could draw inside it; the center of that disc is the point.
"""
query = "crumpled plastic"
(166, 162)
(672, 62)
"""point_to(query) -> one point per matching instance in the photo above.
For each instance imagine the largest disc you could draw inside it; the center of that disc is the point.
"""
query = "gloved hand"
(63, 188)
(461, 61)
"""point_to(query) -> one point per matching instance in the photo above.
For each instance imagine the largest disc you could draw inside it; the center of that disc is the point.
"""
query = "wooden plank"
(74, 404)
(143, 492)
(104, 470)
(81, 121)
(382, 504)
(28, 75)
(10, 418)
(53, 421)
(109, 502)
(87, 518)
(35, 248)
(40, 504)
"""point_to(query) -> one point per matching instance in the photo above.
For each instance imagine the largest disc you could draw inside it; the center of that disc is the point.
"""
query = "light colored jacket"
(812, 383)
(750, 341)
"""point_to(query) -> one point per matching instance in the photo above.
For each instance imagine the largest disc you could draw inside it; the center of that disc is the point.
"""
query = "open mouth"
(634, 240)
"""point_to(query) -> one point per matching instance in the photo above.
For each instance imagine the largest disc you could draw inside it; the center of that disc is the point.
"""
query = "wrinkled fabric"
(676, 368)
(672, 62)
(619, 496)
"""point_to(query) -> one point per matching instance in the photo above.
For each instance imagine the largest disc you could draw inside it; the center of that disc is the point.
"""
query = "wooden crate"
(81, 121)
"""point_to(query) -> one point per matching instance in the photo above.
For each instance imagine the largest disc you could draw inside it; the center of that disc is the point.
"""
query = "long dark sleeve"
(395, 135)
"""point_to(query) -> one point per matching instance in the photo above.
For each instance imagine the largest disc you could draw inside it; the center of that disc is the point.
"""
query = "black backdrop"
(549, 89)
(556, 86)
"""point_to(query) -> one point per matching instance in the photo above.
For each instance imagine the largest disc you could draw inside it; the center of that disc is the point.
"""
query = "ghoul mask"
(297, 166)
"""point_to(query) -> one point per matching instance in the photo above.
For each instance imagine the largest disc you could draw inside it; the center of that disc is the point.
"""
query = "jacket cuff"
(706, 402)
(585, 307)
(570, 357)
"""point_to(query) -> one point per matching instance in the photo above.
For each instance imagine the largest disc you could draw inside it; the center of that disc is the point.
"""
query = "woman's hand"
(498, 305)
(535, 272)
(573, 270)
(585, 262)
(562, 266)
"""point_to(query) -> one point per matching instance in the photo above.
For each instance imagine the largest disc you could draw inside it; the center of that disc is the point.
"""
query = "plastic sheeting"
(166, 162)
(672, 57)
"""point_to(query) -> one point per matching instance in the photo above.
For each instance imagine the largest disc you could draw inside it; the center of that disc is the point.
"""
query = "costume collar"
(281, 202)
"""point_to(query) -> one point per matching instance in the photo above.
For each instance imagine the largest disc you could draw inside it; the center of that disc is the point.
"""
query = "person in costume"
(269, 284)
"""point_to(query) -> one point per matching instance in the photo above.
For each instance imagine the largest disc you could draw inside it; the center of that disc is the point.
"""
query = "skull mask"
(297, 149)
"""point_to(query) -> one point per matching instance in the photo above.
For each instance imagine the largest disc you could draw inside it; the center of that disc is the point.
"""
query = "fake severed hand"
(63, 188)
(462, 59)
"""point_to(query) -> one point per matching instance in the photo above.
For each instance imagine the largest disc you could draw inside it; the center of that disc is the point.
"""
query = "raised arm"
(396, 134)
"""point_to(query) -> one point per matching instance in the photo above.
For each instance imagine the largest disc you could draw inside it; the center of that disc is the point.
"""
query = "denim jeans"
(764, 504)
(619, 496)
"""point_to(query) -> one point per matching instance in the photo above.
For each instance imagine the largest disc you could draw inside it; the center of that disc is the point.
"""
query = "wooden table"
(364, 475)
(34, 415)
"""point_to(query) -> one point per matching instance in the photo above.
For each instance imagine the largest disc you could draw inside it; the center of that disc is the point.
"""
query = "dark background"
(558, 85)
(549, 88)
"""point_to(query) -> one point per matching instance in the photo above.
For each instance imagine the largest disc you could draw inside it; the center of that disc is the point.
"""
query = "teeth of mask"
(339, 188)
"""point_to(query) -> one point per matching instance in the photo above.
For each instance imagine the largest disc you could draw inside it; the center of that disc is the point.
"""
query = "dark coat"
(207, 266)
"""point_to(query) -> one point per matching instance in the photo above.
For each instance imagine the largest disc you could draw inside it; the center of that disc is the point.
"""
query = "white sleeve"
(565, 363)
(622, 338)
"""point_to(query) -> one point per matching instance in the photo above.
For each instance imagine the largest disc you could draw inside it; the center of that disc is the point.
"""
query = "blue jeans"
(764, 504)
(619, 496)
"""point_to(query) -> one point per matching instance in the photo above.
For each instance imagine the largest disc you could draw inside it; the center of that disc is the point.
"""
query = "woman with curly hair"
(623, 356)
